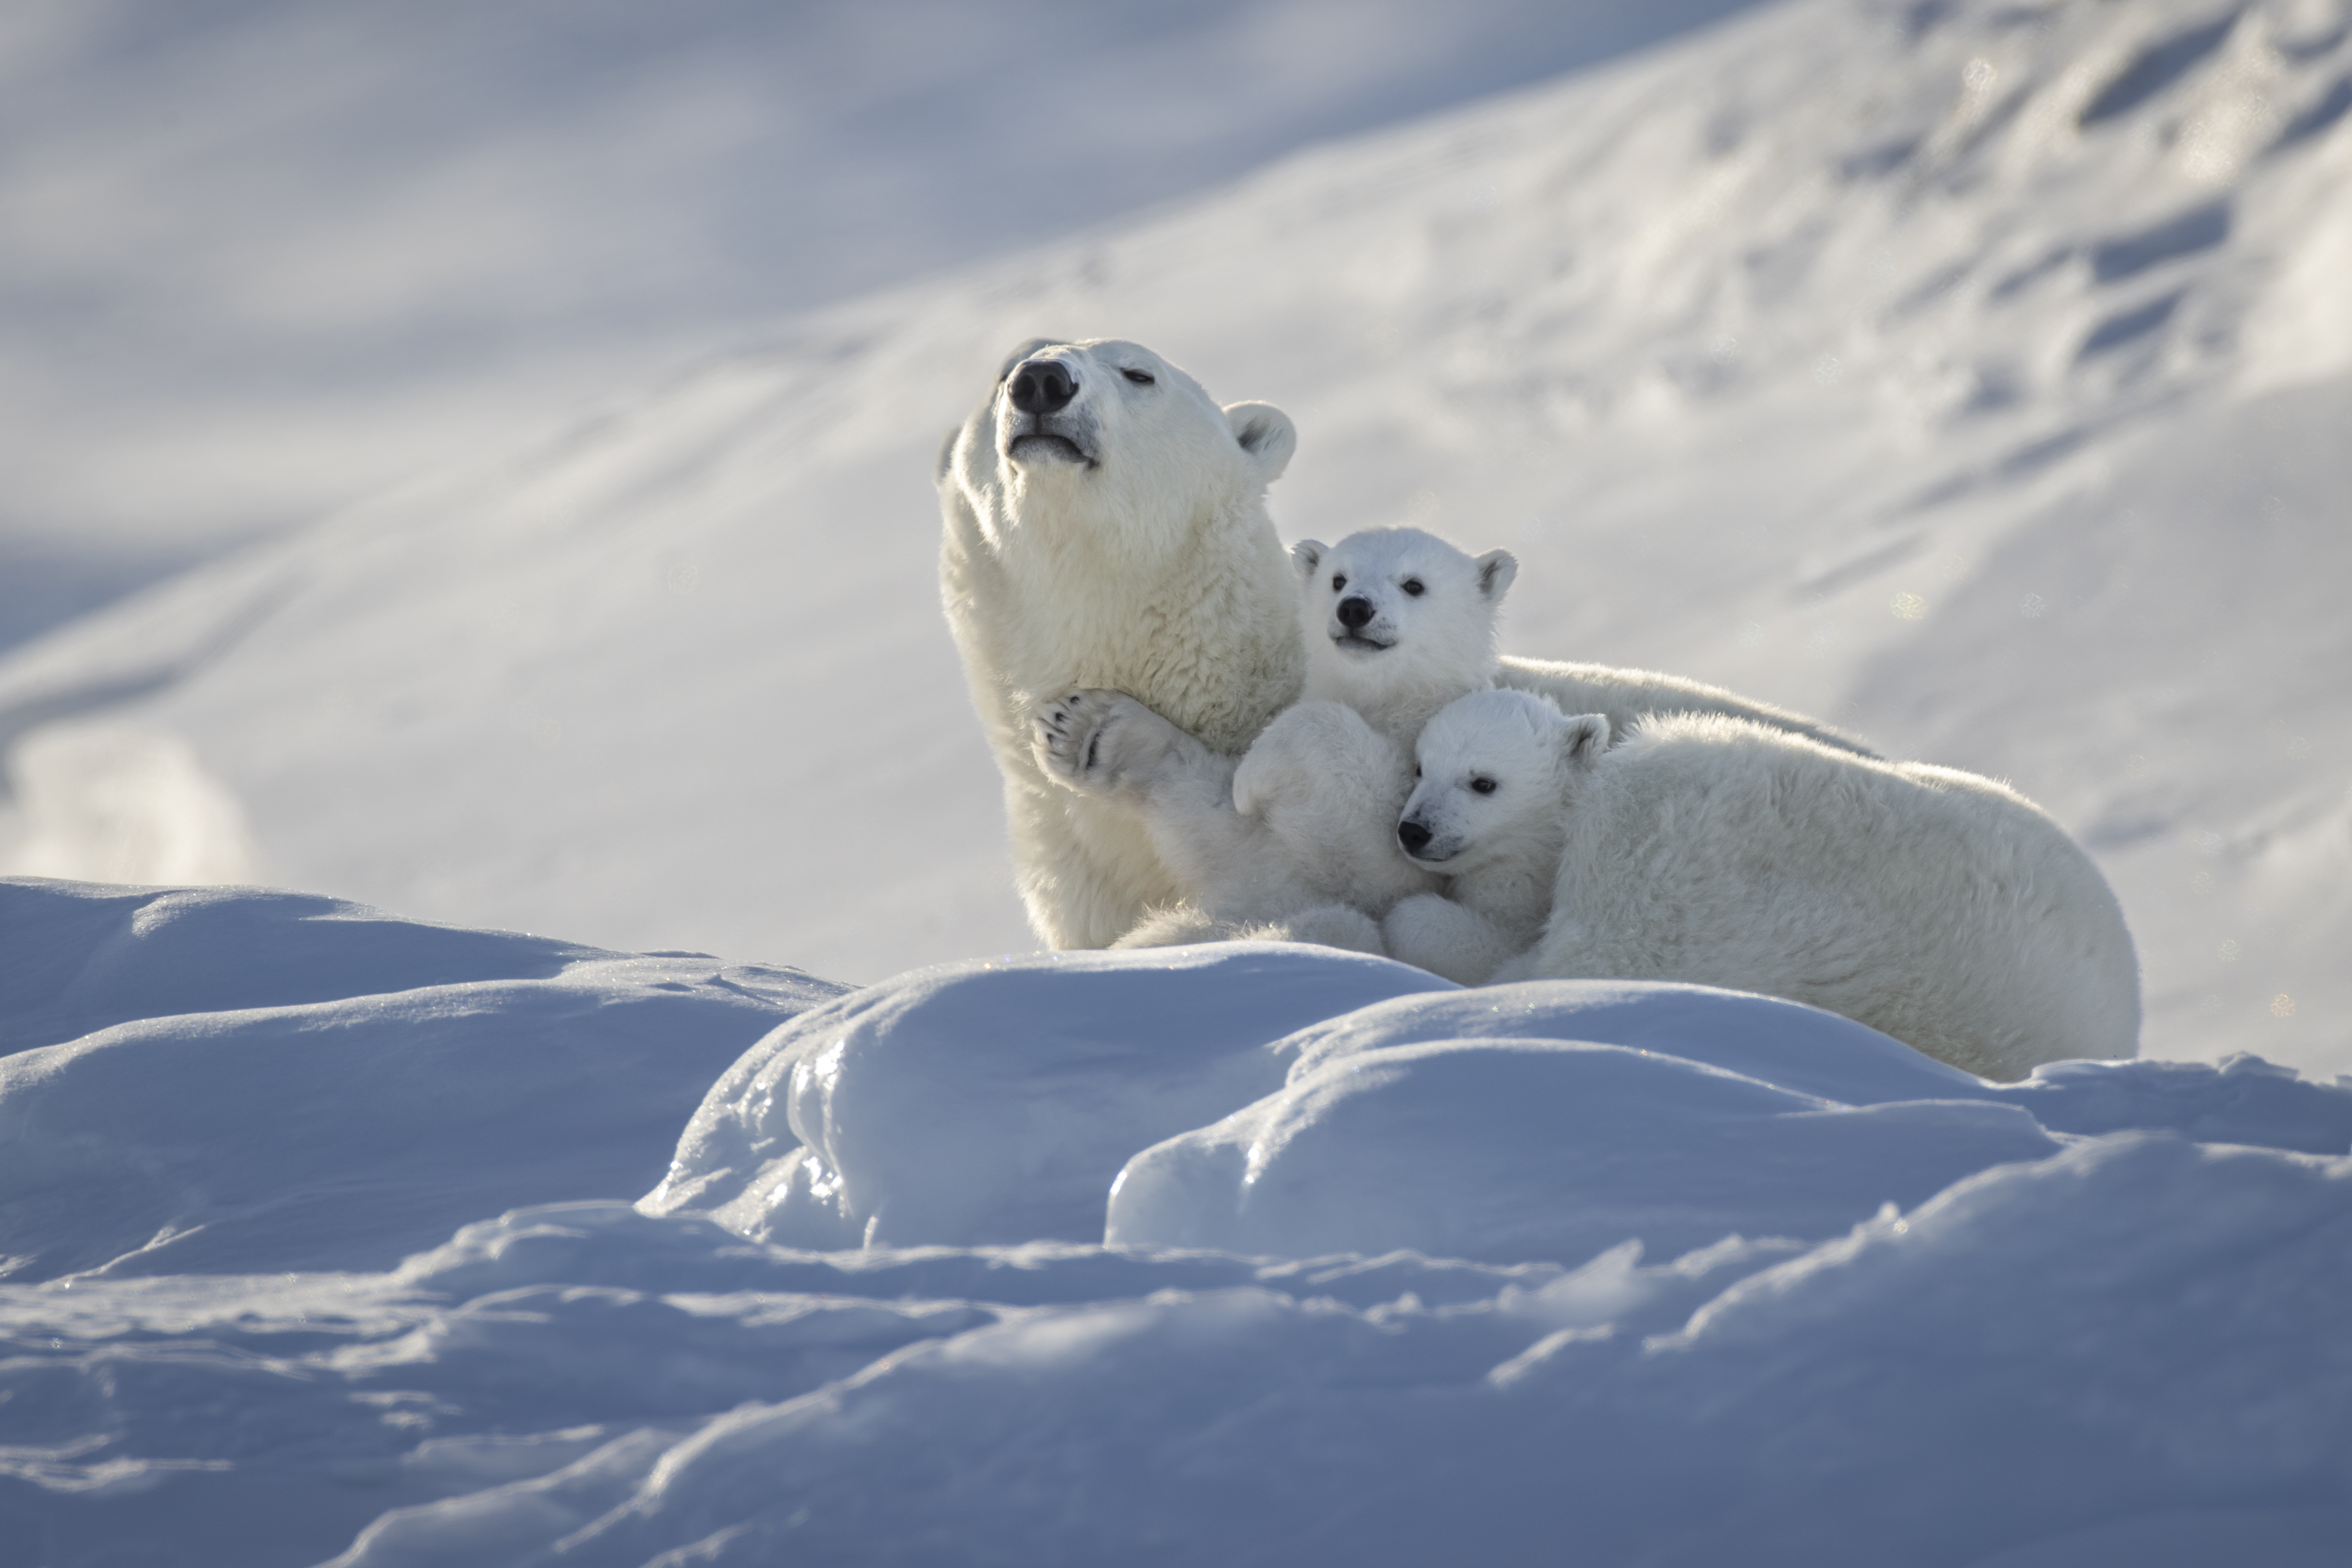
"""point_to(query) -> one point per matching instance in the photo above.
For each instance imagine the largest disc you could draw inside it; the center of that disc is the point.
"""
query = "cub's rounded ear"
(1023, 352)
(1266, 434)
(1496, 571)
(1307, 555)
(1583, 738)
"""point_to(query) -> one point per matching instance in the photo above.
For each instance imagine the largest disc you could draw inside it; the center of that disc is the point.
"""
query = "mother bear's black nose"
(1042, 386)
(1413, 836)
(1355, 613)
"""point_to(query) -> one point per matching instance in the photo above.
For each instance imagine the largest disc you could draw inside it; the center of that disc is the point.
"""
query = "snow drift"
(1659, 1273)
(217, 1081)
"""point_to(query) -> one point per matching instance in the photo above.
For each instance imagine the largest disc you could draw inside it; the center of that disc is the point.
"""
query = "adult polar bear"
(1105, 526)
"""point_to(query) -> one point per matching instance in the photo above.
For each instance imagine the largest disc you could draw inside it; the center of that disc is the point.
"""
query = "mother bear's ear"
(1266, 434)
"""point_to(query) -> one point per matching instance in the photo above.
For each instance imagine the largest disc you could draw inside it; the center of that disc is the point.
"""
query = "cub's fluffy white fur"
(1486, 812)
(1398, 622)
(1941, 908)
(1395, 623)
(1118, 538)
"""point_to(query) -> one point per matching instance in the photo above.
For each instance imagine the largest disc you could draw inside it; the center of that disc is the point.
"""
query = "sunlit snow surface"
(1402, 1273)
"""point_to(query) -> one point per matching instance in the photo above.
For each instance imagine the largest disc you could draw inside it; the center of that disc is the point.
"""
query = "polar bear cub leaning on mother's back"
(1297, 839)
(1940, 907)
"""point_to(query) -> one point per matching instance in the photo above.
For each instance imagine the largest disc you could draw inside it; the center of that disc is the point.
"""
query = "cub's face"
(1106, 437)
(1494, 769)
(1387, 589)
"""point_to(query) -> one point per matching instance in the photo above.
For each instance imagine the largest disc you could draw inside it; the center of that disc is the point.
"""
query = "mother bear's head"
(1103, 445)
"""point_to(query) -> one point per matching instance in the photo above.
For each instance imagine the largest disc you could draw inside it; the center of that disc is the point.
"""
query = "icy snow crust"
(1395, 1272)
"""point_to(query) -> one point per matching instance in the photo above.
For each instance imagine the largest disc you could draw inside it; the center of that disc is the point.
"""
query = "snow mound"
(2099, 1348)
(1662, 1113)
(221, 1079)
(2088, 1318)
(1506, 1149)
(2244, 1100)
(1286, 1101)
(993, 1101)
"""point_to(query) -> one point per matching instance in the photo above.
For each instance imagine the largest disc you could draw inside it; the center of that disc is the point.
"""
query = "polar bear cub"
(1940, 907)
(1492, 770)
(1396, 623)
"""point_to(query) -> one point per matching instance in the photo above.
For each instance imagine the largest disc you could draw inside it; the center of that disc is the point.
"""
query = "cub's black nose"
(1044, 386)
(1354, 613)
(1413, 836)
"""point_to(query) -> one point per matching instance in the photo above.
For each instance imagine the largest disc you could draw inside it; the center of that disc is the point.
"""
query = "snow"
(875, 1121)
(264, 258)
(1971, 378)
(210, 1082)
(1670, 1274)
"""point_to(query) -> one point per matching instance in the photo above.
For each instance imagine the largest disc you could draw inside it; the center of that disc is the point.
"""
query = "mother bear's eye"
(1413, 585)
(1338, 581)
(1140, 377)
(1483, 786)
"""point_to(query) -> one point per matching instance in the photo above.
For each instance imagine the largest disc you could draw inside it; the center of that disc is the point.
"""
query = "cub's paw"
(1433, 933)
(1101, 742)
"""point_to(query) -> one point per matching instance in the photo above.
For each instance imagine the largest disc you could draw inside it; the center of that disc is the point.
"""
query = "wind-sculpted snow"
(875, 1120)
(1730, 1280)
(223, 1080)
(1505, 1149)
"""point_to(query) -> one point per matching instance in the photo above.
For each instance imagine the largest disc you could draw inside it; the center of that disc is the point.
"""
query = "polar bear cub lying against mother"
(1297, 838)
(1933, 905)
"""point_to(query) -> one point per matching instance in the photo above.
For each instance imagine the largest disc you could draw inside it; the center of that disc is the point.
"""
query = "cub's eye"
(1140, 377)
(1338, 581)
(1416, 770)
(1482, 787)
(1413, 585)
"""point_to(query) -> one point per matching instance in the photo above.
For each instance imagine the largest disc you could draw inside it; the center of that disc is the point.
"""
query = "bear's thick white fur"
(1940, 907)
(1123, 543)
(1395, 623)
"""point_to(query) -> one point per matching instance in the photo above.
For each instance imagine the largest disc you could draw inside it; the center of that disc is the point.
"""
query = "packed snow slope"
(1972, 376)
(1244, 1253)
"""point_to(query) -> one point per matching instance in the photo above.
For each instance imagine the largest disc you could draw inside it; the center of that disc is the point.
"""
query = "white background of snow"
(259, 258)
(1743, 345)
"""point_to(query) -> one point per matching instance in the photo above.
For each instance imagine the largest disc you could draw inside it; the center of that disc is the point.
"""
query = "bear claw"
(1078, 741)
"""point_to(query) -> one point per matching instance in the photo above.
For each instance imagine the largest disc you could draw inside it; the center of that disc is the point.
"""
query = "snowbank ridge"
(1396, 1271)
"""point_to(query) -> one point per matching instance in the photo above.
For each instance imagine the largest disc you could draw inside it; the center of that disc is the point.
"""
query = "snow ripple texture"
(1394, 1272)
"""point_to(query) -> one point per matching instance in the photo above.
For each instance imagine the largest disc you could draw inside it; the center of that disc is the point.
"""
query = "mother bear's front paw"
(1102, 743)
